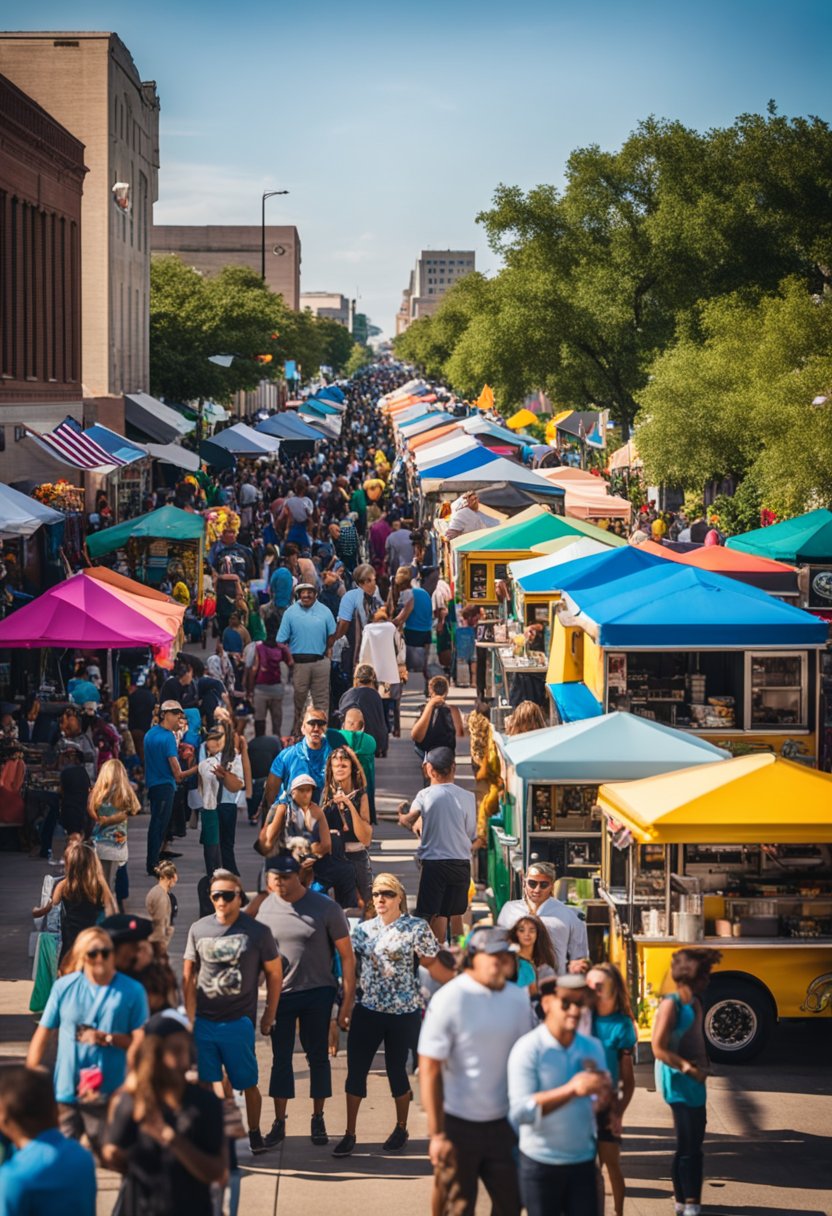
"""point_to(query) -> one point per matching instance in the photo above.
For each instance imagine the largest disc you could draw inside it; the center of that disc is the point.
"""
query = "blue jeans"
(161, 808)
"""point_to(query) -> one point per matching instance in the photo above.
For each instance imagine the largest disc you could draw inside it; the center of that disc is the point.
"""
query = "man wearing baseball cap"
(308, 629)
(470, 1027)
(449, 828)
(557, 1079)
(162, 774)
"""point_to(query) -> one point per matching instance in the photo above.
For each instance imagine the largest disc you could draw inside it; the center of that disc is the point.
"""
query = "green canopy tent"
(804, 539)
(535, 531)
(168, 524)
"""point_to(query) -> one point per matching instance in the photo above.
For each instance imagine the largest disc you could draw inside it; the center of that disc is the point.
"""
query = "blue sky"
(391, 123)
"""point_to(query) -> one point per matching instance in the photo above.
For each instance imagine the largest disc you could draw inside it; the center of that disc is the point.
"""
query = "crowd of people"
(324, 600)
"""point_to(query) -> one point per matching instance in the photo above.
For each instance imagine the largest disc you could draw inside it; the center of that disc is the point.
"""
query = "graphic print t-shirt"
(230, 958)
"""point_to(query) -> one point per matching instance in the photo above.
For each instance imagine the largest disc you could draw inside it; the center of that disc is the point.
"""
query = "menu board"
(477, 581)
(557, 808)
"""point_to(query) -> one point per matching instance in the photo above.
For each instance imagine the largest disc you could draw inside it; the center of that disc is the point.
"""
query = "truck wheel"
(739, 1019)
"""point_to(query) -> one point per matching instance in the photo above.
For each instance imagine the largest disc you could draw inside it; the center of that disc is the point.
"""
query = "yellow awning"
(749, 800)
(522, 418)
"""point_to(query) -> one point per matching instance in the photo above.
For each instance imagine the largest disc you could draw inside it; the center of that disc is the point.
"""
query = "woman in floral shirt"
(389, 1006)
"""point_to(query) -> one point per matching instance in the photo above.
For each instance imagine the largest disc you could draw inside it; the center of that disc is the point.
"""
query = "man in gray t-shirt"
(224, 956)
(308, 929)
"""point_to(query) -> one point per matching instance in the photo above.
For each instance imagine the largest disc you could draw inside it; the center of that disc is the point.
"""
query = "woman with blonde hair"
(527, 716)
(82, 894)
(391, 1004)
(111, 802)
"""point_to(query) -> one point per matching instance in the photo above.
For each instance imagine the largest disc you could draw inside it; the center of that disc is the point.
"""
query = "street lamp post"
(266, 194)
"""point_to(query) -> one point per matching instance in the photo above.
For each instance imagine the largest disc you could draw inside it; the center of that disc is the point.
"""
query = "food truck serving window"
(776, 690)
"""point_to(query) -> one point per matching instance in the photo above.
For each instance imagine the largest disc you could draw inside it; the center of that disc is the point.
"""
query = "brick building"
(209, 247)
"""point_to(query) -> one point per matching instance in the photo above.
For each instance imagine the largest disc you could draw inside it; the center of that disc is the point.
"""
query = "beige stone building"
(209, 247)
(435, 272)
(330, 305)
(89, 83)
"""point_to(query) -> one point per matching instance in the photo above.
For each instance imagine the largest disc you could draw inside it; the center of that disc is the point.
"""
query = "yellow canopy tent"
(485, 401)
(756, 799)
(522, 418)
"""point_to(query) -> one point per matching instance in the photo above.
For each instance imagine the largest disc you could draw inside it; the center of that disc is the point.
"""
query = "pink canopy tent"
(87, 614)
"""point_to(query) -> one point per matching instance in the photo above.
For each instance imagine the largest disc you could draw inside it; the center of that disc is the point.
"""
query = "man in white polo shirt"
(470, 1027)
(566, 929)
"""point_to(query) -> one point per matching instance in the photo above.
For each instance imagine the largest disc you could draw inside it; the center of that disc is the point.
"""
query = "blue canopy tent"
(594, 570)
(574, 701)
(340, 406)
(314, 405)
(288, 426)
(671, 607)
(428, 422)
(333, 392)
(242, 440)
(423, 417)
(115, 444)
(480, 467)
(473, 458)
(612, 747)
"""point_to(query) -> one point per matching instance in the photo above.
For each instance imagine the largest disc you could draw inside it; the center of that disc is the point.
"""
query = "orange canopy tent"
(419, 441)
(775, 577)
(152, 604)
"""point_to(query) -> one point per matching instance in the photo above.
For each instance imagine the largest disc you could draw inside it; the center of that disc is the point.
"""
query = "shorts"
(605, 1134)
(228, 1045)
(443, 888)
(417, 637)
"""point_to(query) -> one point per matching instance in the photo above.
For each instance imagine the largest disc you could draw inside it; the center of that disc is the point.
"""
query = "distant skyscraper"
(436, 270)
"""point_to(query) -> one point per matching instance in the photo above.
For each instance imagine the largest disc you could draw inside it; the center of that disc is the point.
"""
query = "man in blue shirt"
(556, 1080)
(162, 774)
(355, 610)
(308, 755)
(280, 589)
(308, 629)
(47, 1173)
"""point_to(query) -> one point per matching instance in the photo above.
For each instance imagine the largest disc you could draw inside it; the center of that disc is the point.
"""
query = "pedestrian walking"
(390, 1004)
(534, 950)
(364, 695)
(554, 1073)
(412, 612)
(224, 956)
(449, 826)
(82, 894)
(345, 798)
(470, 1027)
(165, 1134)
(383, 648)
(220, 781)
(566, 929)
(111, 803)
(308, 755)
(439, 724)
(308, 629)
(46, 1173)
(161, 905)
(682, 1069)
(614, 1027)
(310, 930)
(162, 774)
(356, 611)
(98, 1014)
(268, 686)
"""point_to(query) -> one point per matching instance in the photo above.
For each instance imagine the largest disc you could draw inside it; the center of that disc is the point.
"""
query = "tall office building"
(209, 247)
(89, 84)
(330, 305)
(435, 272)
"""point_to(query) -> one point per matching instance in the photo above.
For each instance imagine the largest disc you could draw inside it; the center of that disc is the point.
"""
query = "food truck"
(693, 650)
(549, 804)
(738, 856)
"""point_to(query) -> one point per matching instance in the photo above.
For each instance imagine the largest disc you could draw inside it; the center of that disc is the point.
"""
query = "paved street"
(767, 1150)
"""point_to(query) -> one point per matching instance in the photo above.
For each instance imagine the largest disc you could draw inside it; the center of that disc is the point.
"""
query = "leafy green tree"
(338, 344)
(360, 356)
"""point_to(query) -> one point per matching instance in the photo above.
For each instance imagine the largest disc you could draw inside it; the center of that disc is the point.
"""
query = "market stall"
(735, 855)
(164, 543)
(693, 650)
(549, 804)
(775, 577)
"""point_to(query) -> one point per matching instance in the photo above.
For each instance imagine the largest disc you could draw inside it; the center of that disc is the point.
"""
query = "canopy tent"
(446, 449)
(564, 473)
(806, 538)
(525, 533)
(317, 406)
(669, 607)
(625, 457)
(327, 428)
(117, 446)
(21, 515)
(586, 425)
(216, 457)
(333, 392)
(521, 419)
(153, 419)
(289, 428)
(155, 605)
(574, 702)
(419, 416)
(583, 505)
(602, 569)
(483, 468)
(424, 433)
(175, 454)
(86, 613)
(243, 440)
(477, 425)
(569, 549)
(505, 497)
(70, 445)
(616, 746)
(775, 577)
(168, 523)
(746, 800)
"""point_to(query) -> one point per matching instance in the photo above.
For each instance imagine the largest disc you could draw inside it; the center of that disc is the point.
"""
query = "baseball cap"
(548, 980)
(169, 707)
(126, 928)
(490, 939)
(283, 863)
(441, 758)
(302, 779)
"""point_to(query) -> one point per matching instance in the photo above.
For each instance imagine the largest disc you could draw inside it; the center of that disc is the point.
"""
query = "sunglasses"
(385, 894)
(225, 896)
(533, 883)
(568, 1002)
(99, 952)
(316, 723)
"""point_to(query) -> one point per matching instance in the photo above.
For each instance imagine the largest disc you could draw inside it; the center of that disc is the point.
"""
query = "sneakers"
(344, 1146)
(277, 1134)
(256, 1143)
(318, 1132)
(397, 1139)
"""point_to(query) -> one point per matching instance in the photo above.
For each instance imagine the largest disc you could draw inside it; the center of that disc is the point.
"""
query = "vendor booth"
(737, 856)
(804, 541)
(775, 577)
(159, 544)
(549, 804)
(693, 650)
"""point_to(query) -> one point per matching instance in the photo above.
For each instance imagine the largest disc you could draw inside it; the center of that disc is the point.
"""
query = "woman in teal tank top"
(682, 1069)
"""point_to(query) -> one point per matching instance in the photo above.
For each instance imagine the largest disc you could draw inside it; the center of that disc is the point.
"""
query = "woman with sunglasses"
(347, 810)
(390, 1007)
(98, 1013)
(165, 1134)
(614, 1026)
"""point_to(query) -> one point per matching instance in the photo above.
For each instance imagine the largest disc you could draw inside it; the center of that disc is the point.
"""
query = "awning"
(68, 444)
(21, 515)
(289, 427)
(574, 701)
(168, 523)
(243, 440)
(153, 418)
(118, 447)
(806, 538)
(175, 454)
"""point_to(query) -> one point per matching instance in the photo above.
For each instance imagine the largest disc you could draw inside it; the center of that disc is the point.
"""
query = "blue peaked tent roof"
(612, 747)
(591, 571)
(427, 422)
(324, 408)
(114, 443)
(333, 392)
(463, 463)
(288, 426)
(671, 607)
(574, 701)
